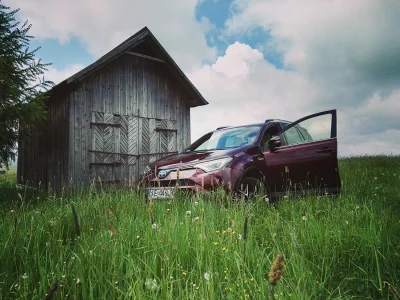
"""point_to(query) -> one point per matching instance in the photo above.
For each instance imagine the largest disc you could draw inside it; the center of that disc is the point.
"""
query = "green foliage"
(346, 247)
(21, 85)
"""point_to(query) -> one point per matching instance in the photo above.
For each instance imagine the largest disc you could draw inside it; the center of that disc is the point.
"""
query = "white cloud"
(345, 54)
(102, 24)
(349, 48)
(57, 76)
(243, 88)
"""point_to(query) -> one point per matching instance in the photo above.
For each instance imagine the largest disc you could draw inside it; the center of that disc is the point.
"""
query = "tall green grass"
(205, 246)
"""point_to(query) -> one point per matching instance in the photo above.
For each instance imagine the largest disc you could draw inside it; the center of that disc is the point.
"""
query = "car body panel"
(310, 165)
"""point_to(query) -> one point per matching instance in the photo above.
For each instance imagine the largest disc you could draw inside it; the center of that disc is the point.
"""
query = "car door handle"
(326, 150)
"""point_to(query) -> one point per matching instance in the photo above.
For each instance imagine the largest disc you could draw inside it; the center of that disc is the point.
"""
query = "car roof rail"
(222, 127)
(276, 120)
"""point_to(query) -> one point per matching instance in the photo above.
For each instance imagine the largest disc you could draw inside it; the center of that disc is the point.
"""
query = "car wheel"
(248, 188)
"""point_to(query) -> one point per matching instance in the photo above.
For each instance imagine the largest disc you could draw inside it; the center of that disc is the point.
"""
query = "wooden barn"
(108, 121)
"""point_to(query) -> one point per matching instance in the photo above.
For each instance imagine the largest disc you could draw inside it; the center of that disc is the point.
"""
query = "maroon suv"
(285, 157)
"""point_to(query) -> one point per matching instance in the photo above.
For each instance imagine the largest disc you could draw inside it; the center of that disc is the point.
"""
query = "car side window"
(311, 129)
(268, 134)
(292, 136)
(304, 133)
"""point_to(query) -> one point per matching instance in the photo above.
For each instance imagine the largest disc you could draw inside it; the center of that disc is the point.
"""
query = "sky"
(251, 59)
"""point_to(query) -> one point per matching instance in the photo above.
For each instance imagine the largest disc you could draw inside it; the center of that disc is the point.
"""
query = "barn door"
(158, 138)
(114, 147)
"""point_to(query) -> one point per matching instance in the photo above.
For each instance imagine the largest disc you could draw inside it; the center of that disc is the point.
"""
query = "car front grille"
(171, 183)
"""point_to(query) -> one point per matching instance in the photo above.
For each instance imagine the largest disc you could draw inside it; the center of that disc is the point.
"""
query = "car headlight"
(213, 164)
(146, 170)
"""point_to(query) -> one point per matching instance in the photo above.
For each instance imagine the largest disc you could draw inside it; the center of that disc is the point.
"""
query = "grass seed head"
(76, 220)
(277, 270)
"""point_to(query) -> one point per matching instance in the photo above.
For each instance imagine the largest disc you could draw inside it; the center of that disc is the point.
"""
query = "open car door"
(302, 157)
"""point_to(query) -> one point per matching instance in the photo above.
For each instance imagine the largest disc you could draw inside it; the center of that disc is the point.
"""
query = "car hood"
(184, 160)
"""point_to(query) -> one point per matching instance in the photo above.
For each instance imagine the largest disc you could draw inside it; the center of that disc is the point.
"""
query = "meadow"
(116, 245)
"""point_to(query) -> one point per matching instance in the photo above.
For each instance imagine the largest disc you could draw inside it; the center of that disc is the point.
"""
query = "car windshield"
(227, 138)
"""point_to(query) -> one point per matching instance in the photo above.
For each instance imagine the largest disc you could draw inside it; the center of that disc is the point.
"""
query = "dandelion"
(239, 237)
(304, 218)
(195, 219)
(24, 276)
(184, 273)
(154, 226)
(188, 213)
(207, 276)
(229, 230)
(196, 203)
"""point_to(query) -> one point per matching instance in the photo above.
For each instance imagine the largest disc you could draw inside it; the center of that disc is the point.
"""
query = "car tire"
(248, 188)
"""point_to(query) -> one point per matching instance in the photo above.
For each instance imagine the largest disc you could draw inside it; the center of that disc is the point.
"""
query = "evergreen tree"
(21, 83)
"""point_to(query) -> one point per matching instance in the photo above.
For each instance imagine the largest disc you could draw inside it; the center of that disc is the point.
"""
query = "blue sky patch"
(61, 55)
(217, 12)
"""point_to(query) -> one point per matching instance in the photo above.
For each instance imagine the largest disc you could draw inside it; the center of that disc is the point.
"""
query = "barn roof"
(139, 44)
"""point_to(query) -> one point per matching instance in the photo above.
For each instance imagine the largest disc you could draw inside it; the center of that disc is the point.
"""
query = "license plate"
(162, 193)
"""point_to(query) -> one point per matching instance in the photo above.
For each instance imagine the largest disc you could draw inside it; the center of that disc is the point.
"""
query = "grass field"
(205, 247)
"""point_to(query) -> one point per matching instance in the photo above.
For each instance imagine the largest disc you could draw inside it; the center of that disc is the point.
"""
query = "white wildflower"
(229, 229)
(24, 276)
(188, 213)
(154, 226)
(151, 284)
(304, 218)
(239, 237)
(207, 276)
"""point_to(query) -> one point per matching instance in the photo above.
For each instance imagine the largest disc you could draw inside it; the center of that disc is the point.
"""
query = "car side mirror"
(274, 142)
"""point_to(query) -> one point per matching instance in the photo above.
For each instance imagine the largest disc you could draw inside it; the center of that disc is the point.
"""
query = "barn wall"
(132, 87)
(43, 159)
